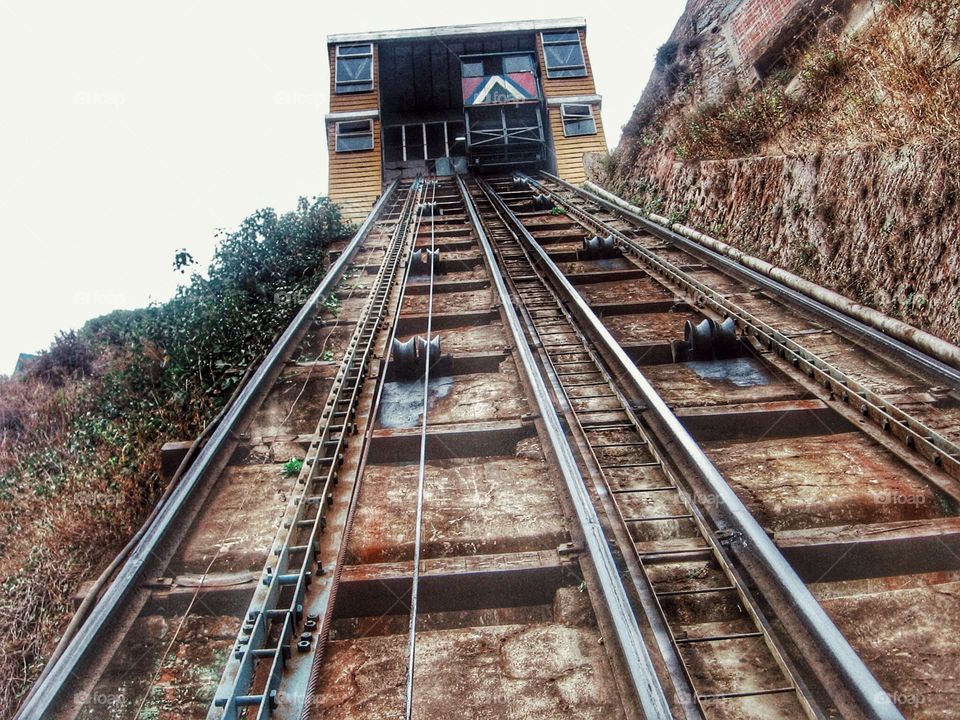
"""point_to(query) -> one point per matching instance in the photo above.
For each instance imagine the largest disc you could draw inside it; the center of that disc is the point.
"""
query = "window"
(355, 136)
(577, 120)
(471, 69)
(517, 63)
(354, 68)
(563, 54)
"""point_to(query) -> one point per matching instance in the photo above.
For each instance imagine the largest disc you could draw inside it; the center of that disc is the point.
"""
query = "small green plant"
(292, 467)
(332, 304)
(557, 210)
(666, 54)
(680, 214)
(326, 355)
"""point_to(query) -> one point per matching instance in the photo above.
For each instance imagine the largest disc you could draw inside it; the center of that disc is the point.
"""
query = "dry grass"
(893, 84)
(897, 83)
(64, 511)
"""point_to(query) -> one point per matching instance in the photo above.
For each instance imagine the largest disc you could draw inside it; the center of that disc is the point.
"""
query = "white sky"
(130, 129)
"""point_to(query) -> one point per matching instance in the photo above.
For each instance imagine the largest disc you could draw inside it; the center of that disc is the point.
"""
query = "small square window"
(517, 63)
(353, 136)
(563, 54)
(471, 68)
(577, 119)
(354, 70)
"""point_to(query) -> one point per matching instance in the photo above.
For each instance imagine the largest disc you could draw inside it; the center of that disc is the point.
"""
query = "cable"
(421, 473)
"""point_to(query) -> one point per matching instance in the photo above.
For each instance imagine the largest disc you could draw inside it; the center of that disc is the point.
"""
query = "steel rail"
(858, 679)
(649, 604)
(667, 641)
(917, 436)
(643, 676)
(294, 559)
(943, 372)
(48, 695)
(421, 474)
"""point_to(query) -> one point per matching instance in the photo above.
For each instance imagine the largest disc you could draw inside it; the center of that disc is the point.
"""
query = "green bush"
(81, 432)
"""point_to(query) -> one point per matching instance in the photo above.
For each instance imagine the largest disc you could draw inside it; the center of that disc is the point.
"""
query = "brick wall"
(755, 20)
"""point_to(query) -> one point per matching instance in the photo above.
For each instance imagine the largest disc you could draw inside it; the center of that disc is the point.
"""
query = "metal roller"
(542, 202)
(699, 339)
(404, 357)
(428, 352)
(707, 340)
(421, 263)
(597, 247)
(725, 343)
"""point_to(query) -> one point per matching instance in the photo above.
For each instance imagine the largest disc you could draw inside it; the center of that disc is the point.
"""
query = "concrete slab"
(822, 481)
(659, 327)
(851, 552)
(449, 303)
(291, 407)
(504, 672)
(240, 523)
(633, 291)
(902, 628)
(164, 670)
(478, 338)
(461, 398)
(721, 382)
(471, 506)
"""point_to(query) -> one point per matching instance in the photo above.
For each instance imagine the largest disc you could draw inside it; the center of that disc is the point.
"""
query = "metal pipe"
(912, 336)
(47, 695)
(858, 678)
(643, 675)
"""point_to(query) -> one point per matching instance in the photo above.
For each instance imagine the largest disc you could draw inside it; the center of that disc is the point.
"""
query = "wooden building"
(458, 99)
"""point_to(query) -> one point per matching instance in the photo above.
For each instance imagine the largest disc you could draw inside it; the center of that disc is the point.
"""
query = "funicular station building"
(458, 99)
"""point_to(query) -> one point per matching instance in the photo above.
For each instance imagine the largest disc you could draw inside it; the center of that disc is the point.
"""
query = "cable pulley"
(410, 358)
(422, 262)
(542, 202)
(707, 340)
(597, 247)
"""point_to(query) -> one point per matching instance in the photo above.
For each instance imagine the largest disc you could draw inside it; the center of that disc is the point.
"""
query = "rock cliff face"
(826, 141)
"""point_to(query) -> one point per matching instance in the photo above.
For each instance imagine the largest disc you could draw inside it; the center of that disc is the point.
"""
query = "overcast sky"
(130, 129)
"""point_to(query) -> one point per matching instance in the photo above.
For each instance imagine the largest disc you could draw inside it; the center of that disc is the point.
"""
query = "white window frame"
(564, 71)
(342, 87)
(353, 134)
(567, 112)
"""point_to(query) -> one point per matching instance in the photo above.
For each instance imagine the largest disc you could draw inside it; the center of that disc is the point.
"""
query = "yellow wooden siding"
(355, 177)
(347, 102)
(561, 87)
(570, 150)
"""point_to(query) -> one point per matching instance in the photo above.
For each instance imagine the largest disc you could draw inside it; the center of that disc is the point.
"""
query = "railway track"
(490, 487)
